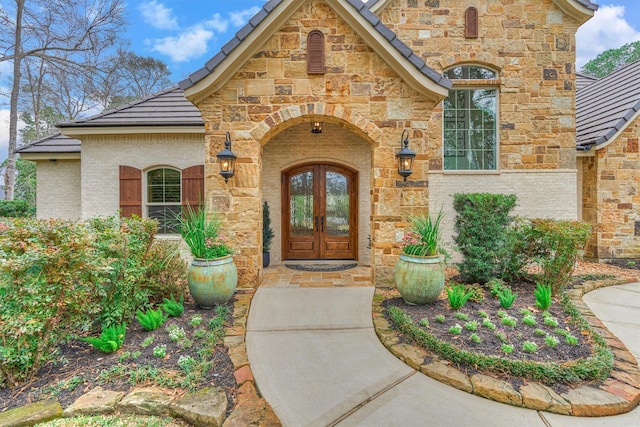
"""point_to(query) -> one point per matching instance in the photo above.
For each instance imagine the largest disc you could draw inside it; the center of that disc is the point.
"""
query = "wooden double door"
(319, 211)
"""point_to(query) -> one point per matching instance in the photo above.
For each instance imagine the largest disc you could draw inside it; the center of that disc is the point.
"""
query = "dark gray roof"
(54, 144)
(359, 5)
(606, 105)
(583, 80)
(167, 108)
(588, 4)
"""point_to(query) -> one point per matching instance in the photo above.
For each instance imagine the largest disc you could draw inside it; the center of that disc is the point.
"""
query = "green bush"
(125, 243)
(50, 287)
(165, 271)
(110, 340)
(17, 209)
(481, 224)
(555, 246)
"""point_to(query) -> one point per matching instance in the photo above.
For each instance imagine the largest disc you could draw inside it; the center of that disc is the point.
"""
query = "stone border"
(618, 394)
(205, 407)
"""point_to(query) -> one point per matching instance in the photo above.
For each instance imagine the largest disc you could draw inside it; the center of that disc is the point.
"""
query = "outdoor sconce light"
(405, 156)
(316, 127)
(227, 160)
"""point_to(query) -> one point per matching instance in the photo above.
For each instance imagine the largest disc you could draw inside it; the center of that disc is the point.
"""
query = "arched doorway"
(319, 212)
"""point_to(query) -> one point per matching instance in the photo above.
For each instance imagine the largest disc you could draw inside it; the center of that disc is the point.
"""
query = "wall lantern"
(405, 156)
(227, 160)
(316, 127)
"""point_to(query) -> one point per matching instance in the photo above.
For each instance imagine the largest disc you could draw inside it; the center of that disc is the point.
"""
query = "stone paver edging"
(619, 394)
(205, 407)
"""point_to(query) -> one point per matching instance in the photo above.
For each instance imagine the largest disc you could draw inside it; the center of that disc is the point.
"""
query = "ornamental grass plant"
(423, 237)
(201, 232)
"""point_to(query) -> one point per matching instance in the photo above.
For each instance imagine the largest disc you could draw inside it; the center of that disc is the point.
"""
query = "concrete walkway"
(317, 361)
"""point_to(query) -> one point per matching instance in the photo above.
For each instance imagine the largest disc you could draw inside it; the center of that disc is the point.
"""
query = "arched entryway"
(320, 212)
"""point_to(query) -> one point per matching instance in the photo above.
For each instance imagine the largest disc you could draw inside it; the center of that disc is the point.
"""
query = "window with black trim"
(470, 119)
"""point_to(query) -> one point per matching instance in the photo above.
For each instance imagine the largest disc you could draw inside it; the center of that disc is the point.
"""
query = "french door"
(319, 212)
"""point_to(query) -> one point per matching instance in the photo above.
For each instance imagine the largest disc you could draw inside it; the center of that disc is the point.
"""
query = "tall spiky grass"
(429, 232)
(196, 227)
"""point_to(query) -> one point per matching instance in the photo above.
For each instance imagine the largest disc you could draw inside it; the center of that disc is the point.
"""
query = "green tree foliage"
(611, 60)
(482, 238)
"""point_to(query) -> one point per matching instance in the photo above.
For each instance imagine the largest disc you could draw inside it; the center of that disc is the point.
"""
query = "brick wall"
(102, 156)
(58, 189)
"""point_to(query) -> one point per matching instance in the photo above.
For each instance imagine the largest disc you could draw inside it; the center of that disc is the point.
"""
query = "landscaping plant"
(201, 232)
(507, 297)
(151, 319)
(423, 239)
(110, 339)
(172, 307)
(457, 296)
(481, 224)
(543, 296)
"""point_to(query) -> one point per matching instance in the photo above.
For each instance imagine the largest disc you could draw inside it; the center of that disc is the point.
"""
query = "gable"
(275, 14)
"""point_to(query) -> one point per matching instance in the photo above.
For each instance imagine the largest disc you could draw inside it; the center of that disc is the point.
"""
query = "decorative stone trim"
(619, 394)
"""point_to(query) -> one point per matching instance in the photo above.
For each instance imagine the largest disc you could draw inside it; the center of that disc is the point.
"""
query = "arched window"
(164, 198)
(470, 116)
(315, 52)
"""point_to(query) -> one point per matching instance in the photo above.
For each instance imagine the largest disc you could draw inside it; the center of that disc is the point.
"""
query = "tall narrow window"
(164, 201)
(315, 52)
(471, 23)
(469, 120)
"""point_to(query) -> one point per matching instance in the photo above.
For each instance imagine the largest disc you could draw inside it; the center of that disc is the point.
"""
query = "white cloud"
(240, 18)
(606, 30)
(188, 45)
(216, 23)
(157, 15)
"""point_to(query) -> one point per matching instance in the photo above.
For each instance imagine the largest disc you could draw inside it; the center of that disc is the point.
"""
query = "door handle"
(316, 223)
(322, 224)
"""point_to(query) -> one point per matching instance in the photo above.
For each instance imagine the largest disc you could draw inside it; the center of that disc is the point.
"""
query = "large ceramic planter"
(212, 281)
(419, 279)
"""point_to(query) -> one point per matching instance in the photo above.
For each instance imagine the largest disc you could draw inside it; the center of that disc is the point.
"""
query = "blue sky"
(186, 34)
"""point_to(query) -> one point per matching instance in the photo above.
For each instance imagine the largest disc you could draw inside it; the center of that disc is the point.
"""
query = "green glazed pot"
(419, 279)
(212, 281)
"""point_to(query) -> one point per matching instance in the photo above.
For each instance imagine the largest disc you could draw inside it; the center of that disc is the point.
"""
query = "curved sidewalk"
(317, 361)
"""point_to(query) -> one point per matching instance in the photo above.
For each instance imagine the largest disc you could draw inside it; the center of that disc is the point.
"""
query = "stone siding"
(58, 189)
(102, 156)
(611, 196)
(273, 92)
(532, 46)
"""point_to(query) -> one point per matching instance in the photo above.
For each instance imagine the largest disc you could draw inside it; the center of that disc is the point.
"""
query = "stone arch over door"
(295, 145)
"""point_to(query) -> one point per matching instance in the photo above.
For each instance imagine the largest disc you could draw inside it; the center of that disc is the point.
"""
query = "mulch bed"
(79, 359)
(516, 336)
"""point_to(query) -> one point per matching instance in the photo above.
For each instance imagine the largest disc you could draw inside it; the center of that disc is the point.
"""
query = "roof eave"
(245, 49)
(240, 54)
(119, 129)
(614, 133)
(377, 6)
(50, 156)
(402, 65)
(577, 9)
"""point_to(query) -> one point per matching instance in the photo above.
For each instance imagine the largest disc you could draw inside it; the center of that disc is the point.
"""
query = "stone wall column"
(238, 203)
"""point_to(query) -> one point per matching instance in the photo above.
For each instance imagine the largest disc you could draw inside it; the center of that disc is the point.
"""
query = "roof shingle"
(606, 105)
